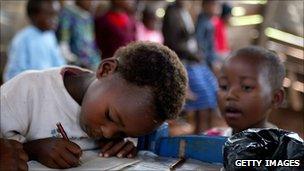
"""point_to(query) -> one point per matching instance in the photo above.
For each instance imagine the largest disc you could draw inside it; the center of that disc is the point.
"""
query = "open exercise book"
(91, 161)
(144, 161)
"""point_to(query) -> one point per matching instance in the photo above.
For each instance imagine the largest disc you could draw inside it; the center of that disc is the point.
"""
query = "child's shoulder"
(25, 34)
(25, 76)
(51, 73)
(36, 74)
(29, 79)
(27, 31)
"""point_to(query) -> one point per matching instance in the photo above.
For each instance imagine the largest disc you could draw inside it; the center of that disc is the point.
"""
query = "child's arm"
(54, 152)
(14, 120)
(12, 156)
(120, 148)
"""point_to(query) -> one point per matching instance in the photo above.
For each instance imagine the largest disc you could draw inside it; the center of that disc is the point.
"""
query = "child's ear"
(278, 98)
(106, 67)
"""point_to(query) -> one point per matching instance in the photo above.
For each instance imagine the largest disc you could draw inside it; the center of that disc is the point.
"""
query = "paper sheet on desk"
(163, 164)
(91, 161)
(150, 161)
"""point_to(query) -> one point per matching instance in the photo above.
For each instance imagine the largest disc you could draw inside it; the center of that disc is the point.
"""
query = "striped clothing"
(203, 83)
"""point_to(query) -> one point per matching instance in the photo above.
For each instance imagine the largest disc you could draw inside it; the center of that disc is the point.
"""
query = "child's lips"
(233, 115)
(232, 112)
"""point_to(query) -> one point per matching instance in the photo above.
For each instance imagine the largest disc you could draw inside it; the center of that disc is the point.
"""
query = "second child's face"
(47, 18)
(244, 95)
(112, 108)
(211, 8)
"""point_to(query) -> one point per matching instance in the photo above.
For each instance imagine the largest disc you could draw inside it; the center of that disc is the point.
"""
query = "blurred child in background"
(251, 85)
(35, 47)
(76, 34)
(115, 28)
(179, 34)
(220, 32)
(205, 32)
(146, 30)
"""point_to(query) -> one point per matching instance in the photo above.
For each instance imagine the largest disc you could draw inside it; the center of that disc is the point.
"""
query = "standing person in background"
(146, 30)
(205, 32)
(178, 31)
(220, 31)
(35, 47)
(76, 34)
(115, 28)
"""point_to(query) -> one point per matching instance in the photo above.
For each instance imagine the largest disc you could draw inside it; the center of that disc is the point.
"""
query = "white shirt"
(33, 102)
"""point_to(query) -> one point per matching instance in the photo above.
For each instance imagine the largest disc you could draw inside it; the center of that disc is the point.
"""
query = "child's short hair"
(148, 13)
(156, 66)
(226, 10)
(269, 61)
(34, 6)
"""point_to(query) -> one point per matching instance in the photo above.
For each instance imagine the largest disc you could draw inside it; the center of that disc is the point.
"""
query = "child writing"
(131, 94)
(250, 86)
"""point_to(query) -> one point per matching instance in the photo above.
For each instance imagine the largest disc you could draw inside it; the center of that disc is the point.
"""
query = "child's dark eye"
(247, 88)
(108, 116)
(224, 87)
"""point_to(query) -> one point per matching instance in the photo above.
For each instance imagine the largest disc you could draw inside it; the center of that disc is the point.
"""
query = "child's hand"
(119, 148)
(54, 152)
(12, 156)
(190, 95)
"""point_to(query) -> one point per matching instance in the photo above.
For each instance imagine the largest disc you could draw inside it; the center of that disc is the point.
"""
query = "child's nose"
(232, 94)
(110, 131)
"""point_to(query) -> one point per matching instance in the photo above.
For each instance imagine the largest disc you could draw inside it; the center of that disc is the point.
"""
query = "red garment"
(120, 19)
(113, 30)
(220, 36)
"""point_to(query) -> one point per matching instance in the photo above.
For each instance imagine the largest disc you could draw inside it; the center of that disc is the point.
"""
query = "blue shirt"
(32, 49)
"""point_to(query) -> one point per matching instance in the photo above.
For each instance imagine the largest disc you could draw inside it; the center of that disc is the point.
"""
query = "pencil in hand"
(62, 132)
(64, 135)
